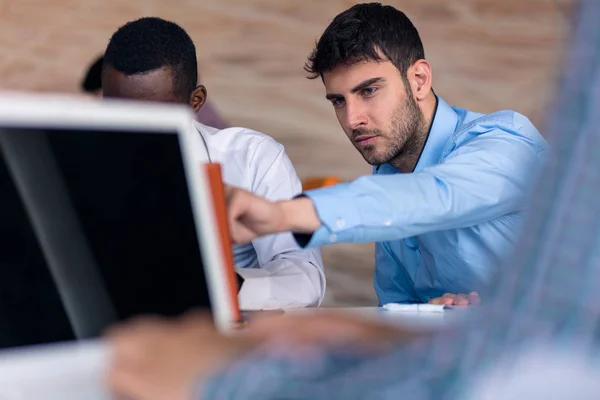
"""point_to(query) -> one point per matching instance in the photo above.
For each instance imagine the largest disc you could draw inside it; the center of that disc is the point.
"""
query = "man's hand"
(251, 216)
(327, 330)
(161, 359)
(450, 299)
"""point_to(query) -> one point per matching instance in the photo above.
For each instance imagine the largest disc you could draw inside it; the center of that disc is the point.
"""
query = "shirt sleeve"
(289, 276)
(482, 180)
(274, 373)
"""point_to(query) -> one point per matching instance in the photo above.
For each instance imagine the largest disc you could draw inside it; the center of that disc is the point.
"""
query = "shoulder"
(507, 125)
(246, 156)
(237, 140)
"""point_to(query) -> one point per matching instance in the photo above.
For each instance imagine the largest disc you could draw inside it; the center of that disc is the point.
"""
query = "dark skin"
(156, 85)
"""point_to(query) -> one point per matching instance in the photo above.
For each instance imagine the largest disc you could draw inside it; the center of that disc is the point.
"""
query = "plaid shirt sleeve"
(274, 374)
(546, 292)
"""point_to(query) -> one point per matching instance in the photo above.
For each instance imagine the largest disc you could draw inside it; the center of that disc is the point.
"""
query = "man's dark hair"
(92, 80)
(360, 33)
(151, 43)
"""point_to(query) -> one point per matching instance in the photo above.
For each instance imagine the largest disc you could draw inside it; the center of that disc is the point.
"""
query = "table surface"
(409, 319)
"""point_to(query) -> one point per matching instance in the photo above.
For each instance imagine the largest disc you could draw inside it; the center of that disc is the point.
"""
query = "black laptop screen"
(128, 197)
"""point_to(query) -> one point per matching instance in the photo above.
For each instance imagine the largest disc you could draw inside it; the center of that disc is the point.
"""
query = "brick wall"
(486, 55)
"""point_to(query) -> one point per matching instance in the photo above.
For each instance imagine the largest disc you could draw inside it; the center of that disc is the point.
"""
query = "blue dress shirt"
(448, 225)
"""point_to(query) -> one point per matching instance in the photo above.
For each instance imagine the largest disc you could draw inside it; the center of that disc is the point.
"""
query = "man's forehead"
(155, 84)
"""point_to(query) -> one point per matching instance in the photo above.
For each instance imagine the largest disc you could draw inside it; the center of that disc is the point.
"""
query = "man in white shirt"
(155, 60)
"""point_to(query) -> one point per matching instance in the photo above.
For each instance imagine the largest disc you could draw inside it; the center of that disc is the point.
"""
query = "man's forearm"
(300, 215)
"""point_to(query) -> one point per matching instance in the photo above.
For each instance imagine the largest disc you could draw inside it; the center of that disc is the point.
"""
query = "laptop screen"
(96, 227)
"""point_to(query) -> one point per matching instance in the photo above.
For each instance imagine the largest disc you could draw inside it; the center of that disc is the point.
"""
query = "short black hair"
(92, 80)
(151, 43)
(360, 33)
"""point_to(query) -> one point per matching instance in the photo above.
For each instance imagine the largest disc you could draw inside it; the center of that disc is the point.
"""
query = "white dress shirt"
(277, 273)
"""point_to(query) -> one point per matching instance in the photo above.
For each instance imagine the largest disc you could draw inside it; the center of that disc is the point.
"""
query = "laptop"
(109, 210)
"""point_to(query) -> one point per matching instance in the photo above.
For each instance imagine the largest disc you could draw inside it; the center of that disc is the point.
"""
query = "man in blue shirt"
(449, 186)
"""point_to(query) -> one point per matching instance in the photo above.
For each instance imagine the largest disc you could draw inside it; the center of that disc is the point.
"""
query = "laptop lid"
(108, 212)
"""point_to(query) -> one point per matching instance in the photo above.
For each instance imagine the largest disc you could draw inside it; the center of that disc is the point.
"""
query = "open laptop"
(108, 211)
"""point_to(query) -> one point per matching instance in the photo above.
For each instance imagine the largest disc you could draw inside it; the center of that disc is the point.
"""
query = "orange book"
(217, 188)
(320, 182)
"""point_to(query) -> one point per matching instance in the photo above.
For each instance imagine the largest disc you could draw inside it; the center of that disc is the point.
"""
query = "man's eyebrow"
(334, 96)
(363, 85)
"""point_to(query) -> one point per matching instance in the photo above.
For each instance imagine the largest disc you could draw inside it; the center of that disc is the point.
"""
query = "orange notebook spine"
(213, 172)
(319, 182)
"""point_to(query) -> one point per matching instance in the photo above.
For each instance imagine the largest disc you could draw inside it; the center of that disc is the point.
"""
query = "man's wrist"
(299, 215)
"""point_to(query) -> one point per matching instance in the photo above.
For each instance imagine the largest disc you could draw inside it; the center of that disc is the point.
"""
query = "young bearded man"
(449, 186)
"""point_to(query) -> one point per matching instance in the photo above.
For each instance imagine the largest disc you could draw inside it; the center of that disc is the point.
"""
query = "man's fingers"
(125, 382)
(448, 301)
(231, 192)
(461, 300)
(237, 207)
(474, 298)
(195, 316)
(293, 327)
(302, 328)
(240, 234)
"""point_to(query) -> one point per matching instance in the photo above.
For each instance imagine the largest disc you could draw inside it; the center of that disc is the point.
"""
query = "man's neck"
(408, 159)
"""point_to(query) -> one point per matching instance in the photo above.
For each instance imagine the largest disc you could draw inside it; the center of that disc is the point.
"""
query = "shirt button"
(333, 237)
(340, 223)
(387, 222)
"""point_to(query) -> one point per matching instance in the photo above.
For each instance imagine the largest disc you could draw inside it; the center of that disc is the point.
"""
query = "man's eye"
(337, 102)
(369, 91)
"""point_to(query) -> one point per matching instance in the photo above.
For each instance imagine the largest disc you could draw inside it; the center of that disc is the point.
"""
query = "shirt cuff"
(338, 214)
(240, 281)
(255, 292)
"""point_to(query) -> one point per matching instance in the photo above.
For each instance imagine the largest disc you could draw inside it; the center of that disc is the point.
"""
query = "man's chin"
(373, 160)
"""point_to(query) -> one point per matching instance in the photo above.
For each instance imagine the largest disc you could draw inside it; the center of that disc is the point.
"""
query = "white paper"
(431, 308)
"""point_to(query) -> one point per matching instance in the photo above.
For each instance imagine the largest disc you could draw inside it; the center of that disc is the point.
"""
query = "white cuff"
(255, 293)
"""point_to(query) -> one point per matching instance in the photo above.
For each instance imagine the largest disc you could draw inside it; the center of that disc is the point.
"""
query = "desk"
(61, 371)
(408, 320)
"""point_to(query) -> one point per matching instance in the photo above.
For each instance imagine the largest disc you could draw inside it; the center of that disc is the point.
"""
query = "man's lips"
(365, 139)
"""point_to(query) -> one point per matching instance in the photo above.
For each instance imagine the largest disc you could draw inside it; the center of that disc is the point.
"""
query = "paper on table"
(431, 308)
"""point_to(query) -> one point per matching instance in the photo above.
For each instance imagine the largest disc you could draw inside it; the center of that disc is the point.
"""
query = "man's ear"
(419, 77)
(198, 98)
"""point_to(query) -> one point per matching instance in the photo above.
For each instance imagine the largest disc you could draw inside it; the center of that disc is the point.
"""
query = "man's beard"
(407, 124)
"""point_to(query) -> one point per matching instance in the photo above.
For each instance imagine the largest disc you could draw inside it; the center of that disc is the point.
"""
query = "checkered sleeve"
(276, 374)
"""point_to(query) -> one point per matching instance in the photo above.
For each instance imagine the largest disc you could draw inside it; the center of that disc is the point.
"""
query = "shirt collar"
(442, 128)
